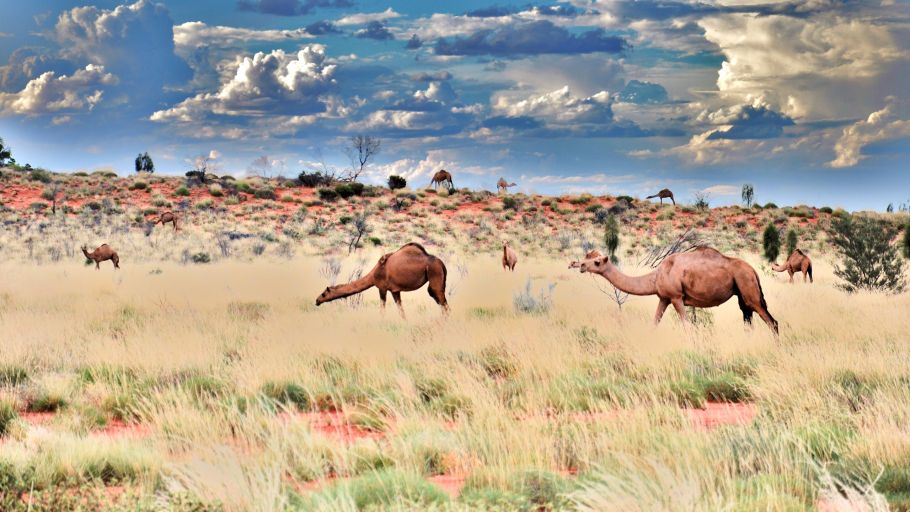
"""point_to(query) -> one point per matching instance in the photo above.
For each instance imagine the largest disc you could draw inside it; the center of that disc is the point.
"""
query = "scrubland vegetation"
(201, 376)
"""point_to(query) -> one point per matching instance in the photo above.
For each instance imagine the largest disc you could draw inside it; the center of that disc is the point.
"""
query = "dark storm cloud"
(375, 30)
(290, 7)
(532, 38)
(754, 123)
(321, 28)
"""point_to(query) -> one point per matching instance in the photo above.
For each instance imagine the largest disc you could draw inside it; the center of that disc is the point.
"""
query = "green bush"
(8, 414)
(905, 243)
(313, 179)
(201, 258)
(792, 242)
(868, 260)
(381, 490)
(509, 203)
(826, 209)
(138, 185)
(396, 182)
(40, 175)
(327, 194)
(264, 193)
(182, 191)
(771, 242)
(287, 393)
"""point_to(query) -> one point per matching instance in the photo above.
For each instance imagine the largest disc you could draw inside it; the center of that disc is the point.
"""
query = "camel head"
(777, 268)
(590, 255)
(595, 265)
(325, 296)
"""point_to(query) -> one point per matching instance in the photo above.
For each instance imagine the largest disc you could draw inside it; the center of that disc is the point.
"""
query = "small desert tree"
(361, 150)
(748, 194)
(396, 182)
(771, 242)
(905, 246)
(870, 262)
(144, 163)
(792, 241)
(6, 154)
(611, 237)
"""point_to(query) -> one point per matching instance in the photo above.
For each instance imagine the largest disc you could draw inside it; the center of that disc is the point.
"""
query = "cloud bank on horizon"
(806, 99)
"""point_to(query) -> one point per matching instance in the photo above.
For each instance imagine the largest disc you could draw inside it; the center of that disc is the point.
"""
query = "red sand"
(336, 425)
(451, 484)
(716, 414)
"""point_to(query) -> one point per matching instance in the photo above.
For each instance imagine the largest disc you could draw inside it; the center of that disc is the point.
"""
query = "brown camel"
(509, 257)
(797, 262)
(404, 270)
(441, 177)
(503, 186)
(663, 194)
(702, 278)
(102, 253)
(165, 218)
(590, 256)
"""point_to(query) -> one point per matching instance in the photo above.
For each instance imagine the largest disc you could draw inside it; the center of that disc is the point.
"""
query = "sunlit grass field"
(208, 386)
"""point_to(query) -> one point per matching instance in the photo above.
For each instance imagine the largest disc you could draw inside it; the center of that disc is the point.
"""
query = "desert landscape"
(202, 376)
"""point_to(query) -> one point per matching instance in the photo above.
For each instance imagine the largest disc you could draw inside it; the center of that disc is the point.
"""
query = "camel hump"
(414, 244)
(383, 259)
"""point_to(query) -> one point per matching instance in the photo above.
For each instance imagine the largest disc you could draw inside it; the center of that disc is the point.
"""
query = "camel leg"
(755, 304)
(661, 307)
(396, 296)
(674, 201)
(97, 265)
(681, 311)
(437, 290)
(790, 271)
(116, 261)
(747, 312)
(382, 298)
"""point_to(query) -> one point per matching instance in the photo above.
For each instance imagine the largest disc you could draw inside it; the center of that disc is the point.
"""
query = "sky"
(807, 100)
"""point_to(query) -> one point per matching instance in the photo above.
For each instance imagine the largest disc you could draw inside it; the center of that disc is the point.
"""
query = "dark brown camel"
(441, 177)
(797, 262)
(509, 257)
(404, 270)
(664, 194)
(102, 253)
(702, 278)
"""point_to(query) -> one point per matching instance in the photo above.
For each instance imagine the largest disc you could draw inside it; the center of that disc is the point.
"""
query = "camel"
(503, 186)
(442, 176)
(509, 257)
(165, 218)
(404, 270)
(589, 256)
(797, 262)
(663, 194)
(102, 253)
(702, 278)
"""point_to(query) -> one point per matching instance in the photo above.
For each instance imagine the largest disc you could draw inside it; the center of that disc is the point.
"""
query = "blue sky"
(806, 100)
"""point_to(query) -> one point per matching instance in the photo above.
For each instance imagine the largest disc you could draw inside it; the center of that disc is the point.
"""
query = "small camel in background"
(102, 253)
(509, 257)
(797, 262)
(503, 186)
(663, 194)
(441, 177)
(165, 218)
(404, 270)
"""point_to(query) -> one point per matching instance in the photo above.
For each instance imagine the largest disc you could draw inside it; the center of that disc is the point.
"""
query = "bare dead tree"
(359, 228)
(361, 150)
(689, 240)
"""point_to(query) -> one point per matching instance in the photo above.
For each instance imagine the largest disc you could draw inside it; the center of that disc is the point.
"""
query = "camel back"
(415, 244)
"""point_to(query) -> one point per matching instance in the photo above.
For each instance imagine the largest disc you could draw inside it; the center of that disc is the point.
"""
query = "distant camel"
(503, 186)
(442, 176)
(702, 278)
(165, 218)
(102, 253)
(663, 194)
(404, 270)
(589, 256)
(509, 257)
(797, 262)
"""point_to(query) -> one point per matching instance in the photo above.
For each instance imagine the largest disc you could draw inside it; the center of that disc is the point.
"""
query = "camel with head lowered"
(102, 253)
(797, 262)
(702, 278)
(663, 194)
(165, 218)
(509, 257)
(503, 186)
(404, 270)
(441, 177)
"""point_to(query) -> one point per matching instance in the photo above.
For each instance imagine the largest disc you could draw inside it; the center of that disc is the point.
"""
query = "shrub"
(826, 209)
(771, 242)
(264, 193)
(396, 182)
(138, 185)
(205, 204)
(216, 190)
(905, 243)
(40, 175)
(182, 191)
(526, 301)
(870, 262)
(327, 194)
(93, 205)
(38, 206)
(201, 258)
(792, 242)
(313, 179)
(8, 413)
(287, 393)
(591, 208)
(384, 490)
(287, 198)
(701, 201)
(509, 203)
(770, 205)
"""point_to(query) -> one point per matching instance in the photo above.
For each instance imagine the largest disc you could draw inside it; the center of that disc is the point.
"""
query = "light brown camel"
(441, 176)
(165, 218)
(663, 194)
(509, 257)
(797, 262)
(102, 253)
(503, 186)
(404, 270)
(590, 256)
(702, 278)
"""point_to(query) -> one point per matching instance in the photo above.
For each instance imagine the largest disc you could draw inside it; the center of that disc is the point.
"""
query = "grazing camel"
(102, 253)
(165, 218)
(404, 270)
(663, 194)
(797, 262)
(590, 256)
(509, 257)
(503, 186)
(442, 176)
(702, 278)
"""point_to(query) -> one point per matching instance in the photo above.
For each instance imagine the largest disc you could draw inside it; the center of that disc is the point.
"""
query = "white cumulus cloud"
(50, 93)
(880, 125)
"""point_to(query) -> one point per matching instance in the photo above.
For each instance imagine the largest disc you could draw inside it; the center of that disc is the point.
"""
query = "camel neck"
(638, 285)
(356, 286)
